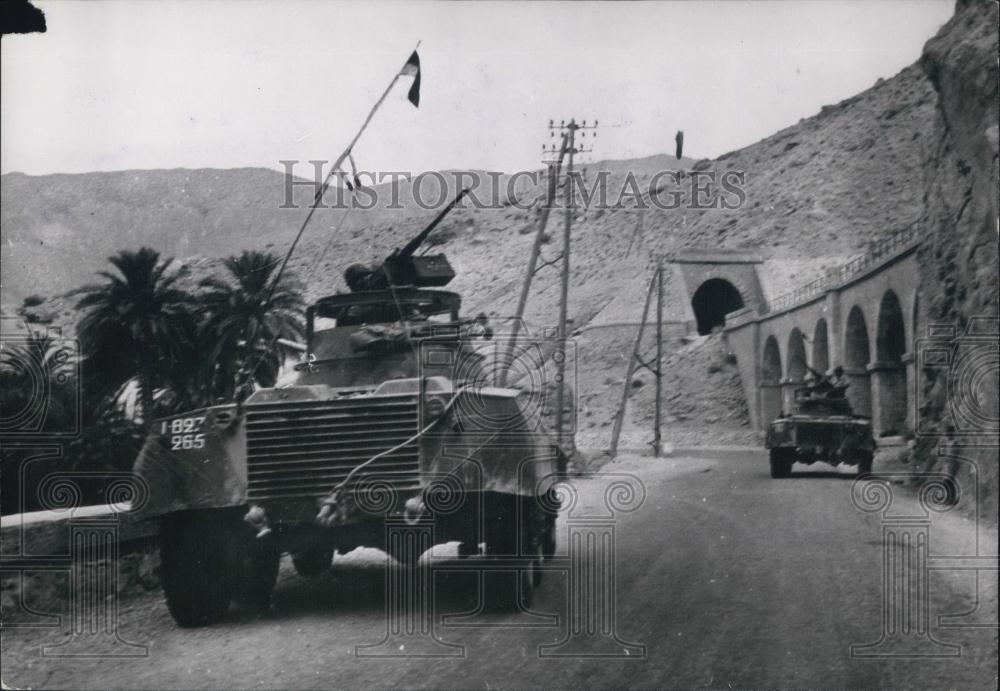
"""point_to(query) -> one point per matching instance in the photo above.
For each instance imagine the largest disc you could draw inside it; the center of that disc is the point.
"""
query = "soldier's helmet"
(356, 275)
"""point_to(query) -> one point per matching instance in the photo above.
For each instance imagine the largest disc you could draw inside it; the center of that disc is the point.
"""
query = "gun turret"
(820, 376)
(402, 268)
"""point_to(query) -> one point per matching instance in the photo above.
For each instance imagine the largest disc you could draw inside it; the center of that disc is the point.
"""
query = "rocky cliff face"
(959, 255)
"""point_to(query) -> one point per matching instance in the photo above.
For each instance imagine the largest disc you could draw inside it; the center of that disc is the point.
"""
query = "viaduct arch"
(820, 347)
(862, 316)
(771, 380)
(857, 355)
(888, 367)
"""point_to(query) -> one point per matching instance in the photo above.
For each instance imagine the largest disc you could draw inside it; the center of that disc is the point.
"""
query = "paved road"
(724, 577)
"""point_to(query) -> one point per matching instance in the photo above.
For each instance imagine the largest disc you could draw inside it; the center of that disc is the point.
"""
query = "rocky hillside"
(815, 193)
(959, 256)
(703, 399)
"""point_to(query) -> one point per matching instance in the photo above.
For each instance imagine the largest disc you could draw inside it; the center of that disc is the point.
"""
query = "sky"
(237, 83)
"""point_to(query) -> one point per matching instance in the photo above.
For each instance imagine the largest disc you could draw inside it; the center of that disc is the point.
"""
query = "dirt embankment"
(959, 256)
(703, 399)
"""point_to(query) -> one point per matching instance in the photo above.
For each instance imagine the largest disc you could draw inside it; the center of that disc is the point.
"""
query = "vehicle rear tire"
(865, 465)
(511, 538)
(781, 463)
(312, 563)
(194, 553)
(536, 568)
(548, 539)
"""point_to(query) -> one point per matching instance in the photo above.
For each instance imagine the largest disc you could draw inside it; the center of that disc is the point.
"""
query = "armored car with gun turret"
(820, 427)
(391, 415)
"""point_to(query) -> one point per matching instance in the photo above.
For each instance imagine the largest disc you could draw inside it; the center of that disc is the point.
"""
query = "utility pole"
(564, 288)
(616, 430)
(571, 148)
(555, 166)
(659, 357)
(656, 283)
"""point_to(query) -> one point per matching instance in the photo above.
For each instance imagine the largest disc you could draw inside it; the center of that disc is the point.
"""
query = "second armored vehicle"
(822, 427)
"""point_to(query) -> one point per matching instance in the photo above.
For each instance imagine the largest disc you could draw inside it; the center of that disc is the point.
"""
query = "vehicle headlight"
(433, 408)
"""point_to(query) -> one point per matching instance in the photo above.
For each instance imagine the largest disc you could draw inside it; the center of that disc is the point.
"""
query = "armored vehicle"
(391, 420)
(822, 427)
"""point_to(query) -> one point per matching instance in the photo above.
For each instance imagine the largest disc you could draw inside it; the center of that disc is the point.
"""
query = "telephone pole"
(571, 149)
(659, 357)
(555, 167)
(654, 366)
(634, 358)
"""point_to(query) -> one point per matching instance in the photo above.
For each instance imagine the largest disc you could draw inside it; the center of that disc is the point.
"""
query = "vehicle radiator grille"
(305, 448)
(825, 435)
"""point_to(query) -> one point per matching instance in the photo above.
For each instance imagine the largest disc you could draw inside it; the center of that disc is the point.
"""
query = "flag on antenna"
(412, 69)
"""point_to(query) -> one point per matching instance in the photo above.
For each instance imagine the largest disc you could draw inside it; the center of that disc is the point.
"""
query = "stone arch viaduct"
(862, 316)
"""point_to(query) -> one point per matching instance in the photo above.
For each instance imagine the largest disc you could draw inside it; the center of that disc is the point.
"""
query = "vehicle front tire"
(511, 538)
(545, 548)
(865, 465)
(781, 463)
(254, 579)
(195, 567)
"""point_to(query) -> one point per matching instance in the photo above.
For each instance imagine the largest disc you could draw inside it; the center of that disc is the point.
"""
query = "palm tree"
(38, 385)
(138, 325)
(245, 317)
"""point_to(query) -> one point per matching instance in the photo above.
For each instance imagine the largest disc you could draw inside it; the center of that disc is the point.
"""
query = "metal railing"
(799, 295)
(897, 241)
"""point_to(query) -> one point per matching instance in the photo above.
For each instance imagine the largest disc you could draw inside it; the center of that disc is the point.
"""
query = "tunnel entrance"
(714, 298)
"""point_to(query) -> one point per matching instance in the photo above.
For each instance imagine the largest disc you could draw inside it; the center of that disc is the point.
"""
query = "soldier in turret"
(823, 386)
(356, 277)
(480, 328)
(838, 380)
